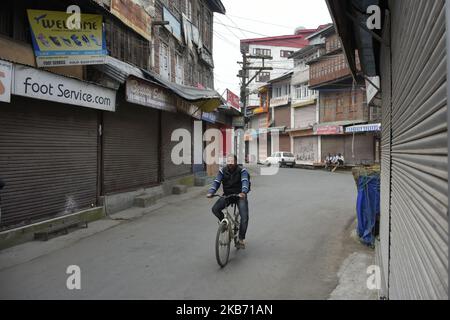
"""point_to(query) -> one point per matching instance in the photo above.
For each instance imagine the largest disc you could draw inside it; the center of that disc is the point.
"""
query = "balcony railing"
(328, 69)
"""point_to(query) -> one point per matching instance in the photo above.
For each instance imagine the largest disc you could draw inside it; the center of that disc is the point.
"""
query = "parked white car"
(281, 159)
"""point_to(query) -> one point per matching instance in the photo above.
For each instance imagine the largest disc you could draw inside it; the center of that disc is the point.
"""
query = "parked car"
(282, 159)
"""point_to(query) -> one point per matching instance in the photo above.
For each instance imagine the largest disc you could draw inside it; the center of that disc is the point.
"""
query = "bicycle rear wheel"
(223, 243)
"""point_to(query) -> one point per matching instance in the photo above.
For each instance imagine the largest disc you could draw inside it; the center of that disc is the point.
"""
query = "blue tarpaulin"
(368, 207)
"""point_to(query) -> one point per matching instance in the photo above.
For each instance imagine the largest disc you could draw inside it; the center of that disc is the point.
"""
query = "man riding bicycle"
(235, 180)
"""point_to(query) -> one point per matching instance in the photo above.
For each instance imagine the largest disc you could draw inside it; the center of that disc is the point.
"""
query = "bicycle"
(224, 237)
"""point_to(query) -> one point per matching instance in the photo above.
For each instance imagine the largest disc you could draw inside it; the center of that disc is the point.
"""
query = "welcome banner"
(57, 45)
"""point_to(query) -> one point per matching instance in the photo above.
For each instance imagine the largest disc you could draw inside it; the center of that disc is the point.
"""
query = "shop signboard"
(43, 85)
(150, 95)
(55, 44)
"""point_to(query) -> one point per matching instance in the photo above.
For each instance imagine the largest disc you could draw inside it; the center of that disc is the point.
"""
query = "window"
(263, 77)
(262, 52)
(164, 61)
(298, 91)
(277, 92)
(179, 69)
(189, 9)
(207, 37)
(285, 53)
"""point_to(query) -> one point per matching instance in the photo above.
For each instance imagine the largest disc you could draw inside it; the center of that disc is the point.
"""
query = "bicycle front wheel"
(223, 242)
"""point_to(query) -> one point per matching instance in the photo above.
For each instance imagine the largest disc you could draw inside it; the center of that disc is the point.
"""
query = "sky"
(263, 18)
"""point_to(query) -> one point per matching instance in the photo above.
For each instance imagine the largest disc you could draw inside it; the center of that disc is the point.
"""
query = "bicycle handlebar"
(226, 197)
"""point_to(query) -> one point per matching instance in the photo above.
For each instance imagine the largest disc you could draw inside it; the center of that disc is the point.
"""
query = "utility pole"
(243, 74)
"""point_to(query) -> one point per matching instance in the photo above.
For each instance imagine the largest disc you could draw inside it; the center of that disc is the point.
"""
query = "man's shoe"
(240, 245)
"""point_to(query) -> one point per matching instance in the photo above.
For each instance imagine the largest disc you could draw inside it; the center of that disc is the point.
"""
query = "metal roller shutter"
(48, 160)
(419, 227)
(172, 121)
(306, 149)
(283, 116)
(285, 143)
(332, 145)
(130, 148)
(305, 117)
(385, 218)
(359, 150)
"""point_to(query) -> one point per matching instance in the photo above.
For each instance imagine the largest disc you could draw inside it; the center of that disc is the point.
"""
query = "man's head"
(232, 162)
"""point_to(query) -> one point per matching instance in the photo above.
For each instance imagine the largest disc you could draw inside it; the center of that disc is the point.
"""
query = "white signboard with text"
(5, 81)
(145, 94)
(34, 83)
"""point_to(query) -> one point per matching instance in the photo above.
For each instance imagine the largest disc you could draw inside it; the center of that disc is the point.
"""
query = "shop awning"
(303, 103)
(375, 127)
(206, 99)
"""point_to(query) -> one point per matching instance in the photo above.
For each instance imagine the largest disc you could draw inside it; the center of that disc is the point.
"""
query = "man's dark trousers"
(243, 211)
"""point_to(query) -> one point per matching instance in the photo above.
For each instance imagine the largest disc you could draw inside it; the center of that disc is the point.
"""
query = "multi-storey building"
(342, 105)
(409, 56)
(279, 48)
(77, 132)
(305, 108)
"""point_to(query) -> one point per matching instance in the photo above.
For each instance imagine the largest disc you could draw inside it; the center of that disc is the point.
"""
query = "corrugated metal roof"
(120, 71)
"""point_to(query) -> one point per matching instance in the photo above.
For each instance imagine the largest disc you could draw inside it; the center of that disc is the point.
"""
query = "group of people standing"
(333, 162)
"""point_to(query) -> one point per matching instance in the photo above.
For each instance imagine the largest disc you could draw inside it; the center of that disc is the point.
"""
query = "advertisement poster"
(233, 100)
(5, 81)
(57, 45)
(134, 16)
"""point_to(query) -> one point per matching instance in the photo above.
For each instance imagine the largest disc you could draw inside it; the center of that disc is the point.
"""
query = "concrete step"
(148, 199)
(179, 189)
(201, 181)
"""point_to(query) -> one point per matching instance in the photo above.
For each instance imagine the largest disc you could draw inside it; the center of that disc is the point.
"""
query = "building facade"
(72, 136)
(409, 56)
(342, 105)
(305, 145)
(279, 48)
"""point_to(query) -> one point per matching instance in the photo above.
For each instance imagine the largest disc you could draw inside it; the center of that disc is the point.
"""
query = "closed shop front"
(283, 120)
(213, 167)
(172, 121)
(418, 266)
(333, 145)
(305, 117)
(48, 159)
(263, 147)
(130, 148)
(283, 116)
(360, 149)
(285, 143)
(357, 149)
(413, 63)
(306, 150)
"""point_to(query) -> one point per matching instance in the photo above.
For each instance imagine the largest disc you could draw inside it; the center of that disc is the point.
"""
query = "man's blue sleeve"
(245, 181)
(216, 184)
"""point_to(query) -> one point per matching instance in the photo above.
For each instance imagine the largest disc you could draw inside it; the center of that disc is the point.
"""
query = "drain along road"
(297, 239)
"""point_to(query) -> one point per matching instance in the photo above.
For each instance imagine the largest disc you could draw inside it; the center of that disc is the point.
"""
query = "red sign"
(329, 130)
(233, 100)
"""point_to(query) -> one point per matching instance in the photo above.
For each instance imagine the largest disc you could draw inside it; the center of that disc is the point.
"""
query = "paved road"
(297, 240)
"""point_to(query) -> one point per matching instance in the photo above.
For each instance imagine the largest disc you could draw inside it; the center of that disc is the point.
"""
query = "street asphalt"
(297, 239)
